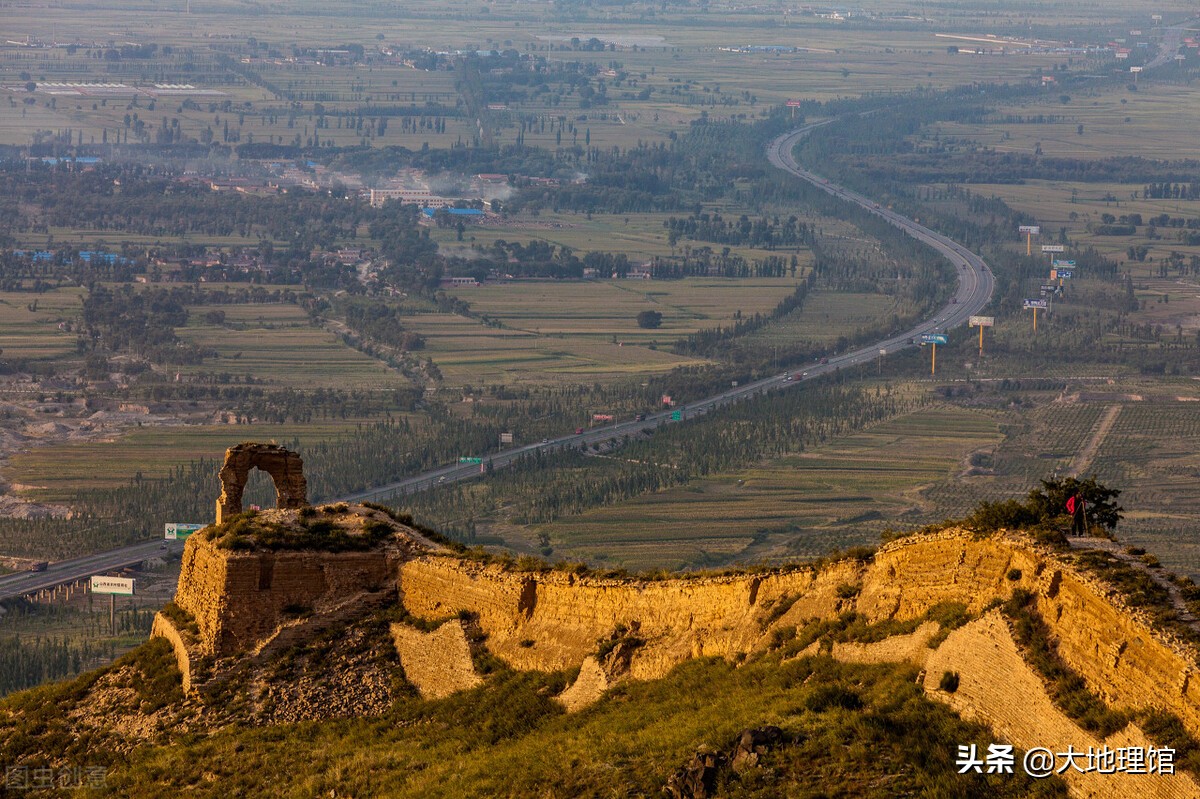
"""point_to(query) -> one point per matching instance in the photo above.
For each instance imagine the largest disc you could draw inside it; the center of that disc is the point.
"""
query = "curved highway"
(1172, 40)
(975, 281)
(974, 292)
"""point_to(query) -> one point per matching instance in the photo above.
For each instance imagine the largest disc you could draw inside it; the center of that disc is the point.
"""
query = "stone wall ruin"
(285, 467)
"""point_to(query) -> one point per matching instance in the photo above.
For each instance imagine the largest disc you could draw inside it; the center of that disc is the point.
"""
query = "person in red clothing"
(1075, 507)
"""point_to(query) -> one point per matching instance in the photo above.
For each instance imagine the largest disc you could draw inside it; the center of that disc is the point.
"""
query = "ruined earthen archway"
(285, 467)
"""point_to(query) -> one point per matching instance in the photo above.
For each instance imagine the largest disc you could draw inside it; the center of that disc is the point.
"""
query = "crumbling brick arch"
(285, 467)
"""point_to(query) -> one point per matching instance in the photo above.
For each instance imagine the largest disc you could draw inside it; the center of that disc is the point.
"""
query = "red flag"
(1071, 505)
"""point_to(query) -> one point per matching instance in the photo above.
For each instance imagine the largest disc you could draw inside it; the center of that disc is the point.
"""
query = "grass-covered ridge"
(328, 528)
(844, 729)
(848, 728)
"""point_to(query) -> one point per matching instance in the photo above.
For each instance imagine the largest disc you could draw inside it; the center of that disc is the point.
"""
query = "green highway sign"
(174, 531)
(676, 416)
(470, 460)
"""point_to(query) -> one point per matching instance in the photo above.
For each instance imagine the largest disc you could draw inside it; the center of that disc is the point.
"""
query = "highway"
(68, 571)
(974, 292)
(1168, 47)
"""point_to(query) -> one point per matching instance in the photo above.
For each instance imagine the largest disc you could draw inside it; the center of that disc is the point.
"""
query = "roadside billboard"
(982, 321)
(1053, 248)
(1031, 230)
(934, 338)
(122, 586)
(1035, 304)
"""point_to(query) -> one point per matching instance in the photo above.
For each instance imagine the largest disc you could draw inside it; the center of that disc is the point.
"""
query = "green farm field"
(57, 472)
(1180, 313)
(935, 463)
(221, 99)
(1151, 452)
(605, 308)
(1148, 452)
(580, 332)
(264, 315)
(825, 317)
(467, 353)
(838, 495)
(1154, 122)
(1074, 206)
(681, 64)
(29, 323)
(640, 236)
(277, 344)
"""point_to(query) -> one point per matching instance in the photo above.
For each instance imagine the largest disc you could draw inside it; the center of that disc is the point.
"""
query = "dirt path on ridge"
(1085, 456)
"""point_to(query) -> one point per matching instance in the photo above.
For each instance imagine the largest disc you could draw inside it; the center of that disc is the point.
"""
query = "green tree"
(1100, 503)
(649, 320)
(1008, 514)
(1046, 507)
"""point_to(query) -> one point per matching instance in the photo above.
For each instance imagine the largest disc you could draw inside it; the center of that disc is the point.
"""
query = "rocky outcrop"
(556, 620)
(998, 688)
(588, 687)
(437, 663)
(242, 597)
(553, 620)
(698, 779)
(181, 643)
(1122, 660)
(911, 575)
(285, 467)
(911, 648)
